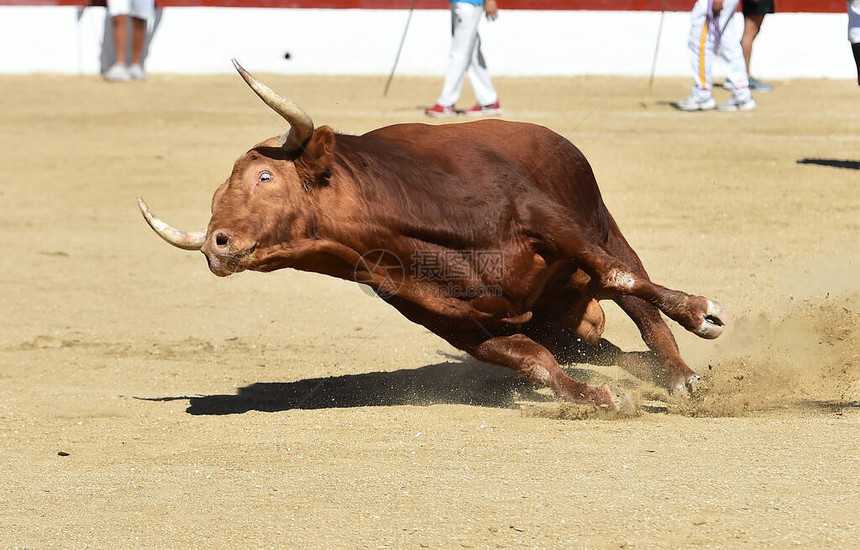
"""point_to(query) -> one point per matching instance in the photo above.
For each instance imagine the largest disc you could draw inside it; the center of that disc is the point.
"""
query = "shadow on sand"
(467, 382)
(457, 381)
(835, 163)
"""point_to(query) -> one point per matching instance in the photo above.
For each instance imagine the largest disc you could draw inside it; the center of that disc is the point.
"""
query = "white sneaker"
(135, 71)
(735, 104)
(694, 103)
(757, 85)
(117, 73)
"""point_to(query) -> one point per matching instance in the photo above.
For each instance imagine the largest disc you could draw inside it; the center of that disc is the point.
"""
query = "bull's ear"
(316, 158)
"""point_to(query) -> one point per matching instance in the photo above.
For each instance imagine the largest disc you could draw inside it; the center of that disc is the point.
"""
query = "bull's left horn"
(181, 239)
(301, 125)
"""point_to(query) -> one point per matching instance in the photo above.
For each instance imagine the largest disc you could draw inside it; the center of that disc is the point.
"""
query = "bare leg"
(120, 37)
(536, 364)
(138, 37)
(855, 49)
(752, 26)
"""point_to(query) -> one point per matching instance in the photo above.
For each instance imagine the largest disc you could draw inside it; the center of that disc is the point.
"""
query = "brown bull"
(491, 234)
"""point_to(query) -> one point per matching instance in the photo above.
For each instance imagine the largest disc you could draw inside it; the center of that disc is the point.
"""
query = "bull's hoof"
(690, 387)
(618, 401)
(713, 321)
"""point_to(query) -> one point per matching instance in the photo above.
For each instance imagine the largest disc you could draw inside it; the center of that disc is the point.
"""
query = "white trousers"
(140, 9)
(719, 37)
(465, 58)
(854, 21)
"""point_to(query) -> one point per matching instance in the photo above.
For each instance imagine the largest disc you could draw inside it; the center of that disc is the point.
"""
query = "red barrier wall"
(815, 6)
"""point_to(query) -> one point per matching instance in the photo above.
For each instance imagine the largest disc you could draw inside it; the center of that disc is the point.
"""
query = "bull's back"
(472, 185)
(544, 162)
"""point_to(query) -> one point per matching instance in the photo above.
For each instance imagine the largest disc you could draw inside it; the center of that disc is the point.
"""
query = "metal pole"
(400, 49)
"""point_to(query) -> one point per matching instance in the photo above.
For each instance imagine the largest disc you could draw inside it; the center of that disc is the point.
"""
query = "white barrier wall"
(519, 43)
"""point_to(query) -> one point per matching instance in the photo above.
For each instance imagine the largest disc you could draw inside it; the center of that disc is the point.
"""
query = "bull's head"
(260, 205)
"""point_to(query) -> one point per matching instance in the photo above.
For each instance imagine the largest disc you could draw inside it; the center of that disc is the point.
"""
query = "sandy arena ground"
(146, 403)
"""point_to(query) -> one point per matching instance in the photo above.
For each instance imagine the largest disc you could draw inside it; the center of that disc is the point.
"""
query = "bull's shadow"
(467, 382)
(461, 380)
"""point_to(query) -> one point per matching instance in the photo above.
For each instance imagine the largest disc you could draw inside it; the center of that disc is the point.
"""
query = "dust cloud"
(808, 356)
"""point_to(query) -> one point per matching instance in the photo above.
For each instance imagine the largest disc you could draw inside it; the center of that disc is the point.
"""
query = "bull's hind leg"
(572, 312)
(536, 364)
(681, 379)
(700, 315)
(619, 272)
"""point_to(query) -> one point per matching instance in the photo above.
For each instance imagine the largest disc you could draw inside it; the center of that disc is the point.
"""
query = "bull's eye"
(266, 176)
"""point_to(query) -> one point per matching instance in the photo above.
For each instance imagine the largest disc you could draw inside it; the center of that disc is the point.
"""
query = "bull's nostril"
(222, 240)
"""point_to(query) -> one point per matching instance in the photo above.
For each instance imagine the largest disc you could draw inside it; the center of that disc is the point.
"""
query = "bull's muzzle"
(223, 255)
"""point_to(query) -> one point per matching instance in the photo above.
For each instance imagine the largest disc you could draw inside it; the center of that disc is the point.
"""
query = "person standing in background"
(854, 32)
(711, 33)
(754, 12)
(466, 59)
(140, 11)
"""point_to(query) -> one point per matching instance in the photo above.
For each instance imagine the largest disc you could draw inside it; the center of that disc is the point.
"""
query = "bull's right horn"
(301, 125)
(181, 239)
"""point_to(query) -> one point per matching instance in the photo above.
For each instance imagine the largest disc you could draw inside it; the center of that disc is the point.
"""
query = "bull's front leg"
(536, 364)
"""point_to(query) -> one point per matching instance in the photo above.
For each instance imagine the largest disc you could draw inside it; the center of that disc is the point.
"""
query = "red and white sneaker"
(439, 111)
(485, 110)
